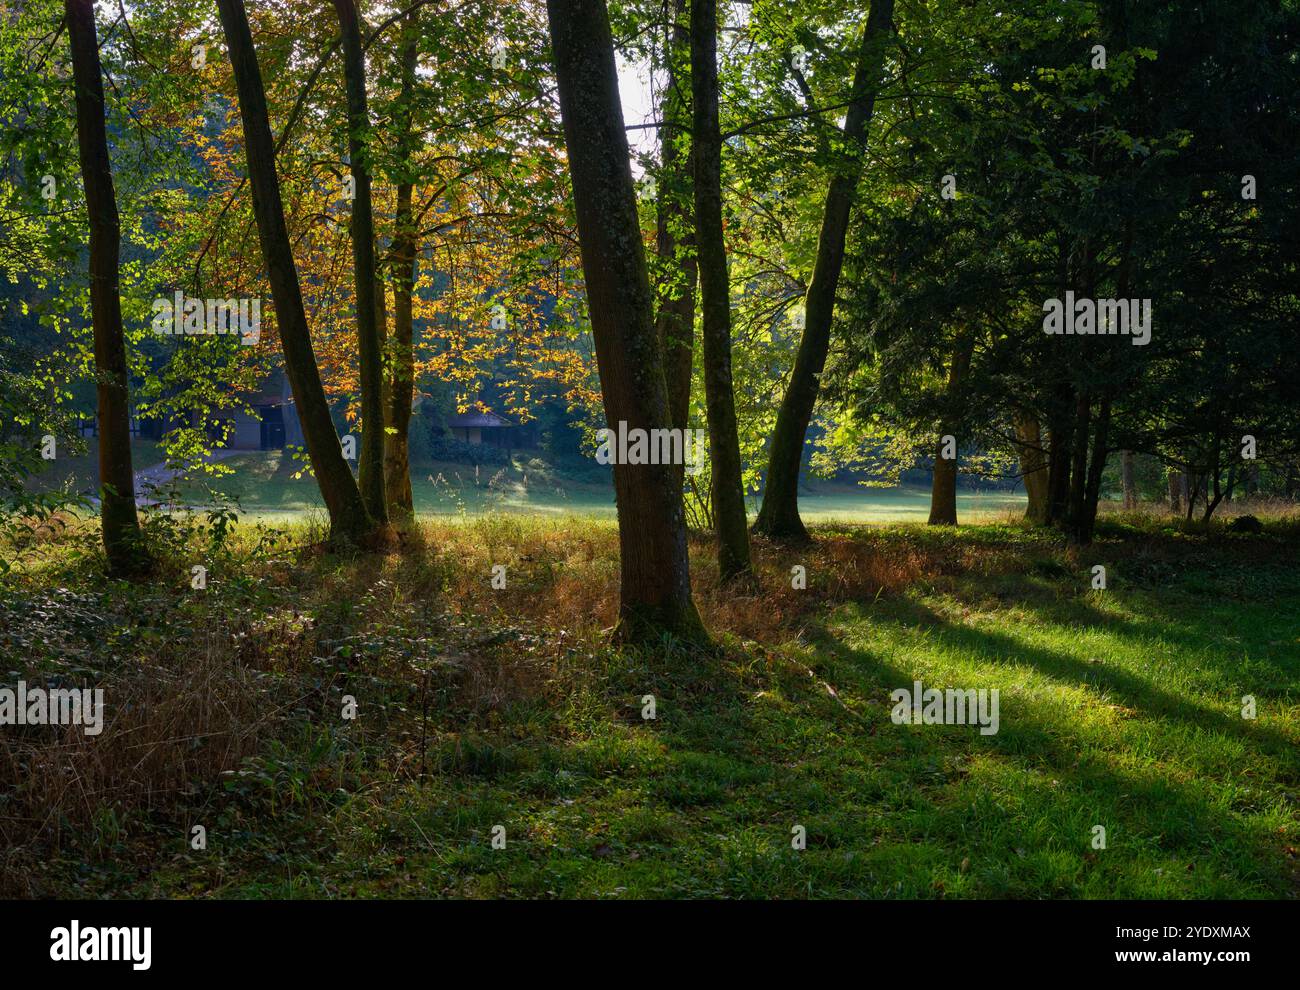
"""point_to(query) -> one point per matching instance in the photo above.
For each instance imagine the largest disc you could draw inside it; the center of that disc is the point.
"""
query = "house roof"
(471, 420)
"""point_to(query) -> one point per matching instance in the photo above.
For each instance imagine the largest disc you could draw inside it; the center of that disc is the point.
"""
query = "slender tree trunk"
(778, 516)
(1087, 522)
(401, 385)
(370, 465)
(349, 521)
(1129, 484)
(675, 227)
(655, 591)
(1079, 469)
(943, 489)
(715, 300)
(1033, 464)
(123, 545)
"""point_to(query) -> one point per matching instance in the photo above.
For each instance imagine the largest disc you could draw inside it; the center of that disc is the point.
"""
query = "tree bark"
(1175, 491)
(1033, 464)
(675, 229)
(1079, 467)
(349, 521)
(1087, 522)
(943, 487)
(655, 589)
(401, 386)
(1129, 484)
(728, 492)
(1060, 456)
(778, 516)
(123, 544)
(370, 464)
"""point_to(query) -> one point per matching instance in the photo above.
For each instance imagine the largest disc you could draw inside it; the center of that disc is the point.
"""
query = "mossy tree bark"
(728, 493)
(123, 542)
(675, 227)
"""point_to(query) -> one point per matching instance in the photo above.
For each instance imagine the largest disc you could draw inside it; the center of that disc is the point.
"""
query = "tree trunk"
(401, 385)
(1033, 464)
(123, 545)
(943, 488)
(1191, 489)
(349, 521)
(728, 492)
(655, 590)
(1079, 467)
(675, 229)
(1092, 491)
(1126, 475)
(370, 464)
(1060, 456)
(1175, 491)
(778, 516)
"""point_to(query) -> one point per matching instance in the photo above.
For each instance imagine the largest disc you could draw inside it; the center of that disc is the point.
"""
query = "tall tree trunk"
(715, 300)
(401, 384)
(349, 521)
(655, 590)
(778, 516)
(1127, 480)
(1175, 491)
(1033, 464)
(123, 545)
(370, 464)
(675, 227)
(943, 488)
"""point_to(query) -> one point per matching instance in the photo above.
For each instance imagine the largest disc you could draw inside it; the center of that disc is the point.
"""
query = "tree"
(349, 520)
(123, 545)
(675, 227)
(655, 590)
(401, 385)
(369, 292)
(728, 493)
(778, 516)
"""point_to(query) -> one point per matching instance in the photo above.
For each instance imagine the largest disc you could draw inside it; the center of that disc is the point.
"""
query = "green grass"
(1119, 708)
(267, 490)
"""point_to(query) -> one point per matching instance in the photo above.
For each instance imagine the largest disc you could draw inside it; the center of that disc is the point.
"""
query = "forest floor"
(478, 708)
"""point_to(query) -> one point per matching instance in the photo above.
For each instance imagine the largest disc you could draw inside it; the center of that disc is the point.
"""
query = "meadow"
(480, 707)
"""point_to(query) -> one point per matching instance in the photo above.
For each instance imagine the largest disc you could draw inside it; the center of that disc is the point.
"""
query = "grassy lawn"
(264, 484)
(1119, 708)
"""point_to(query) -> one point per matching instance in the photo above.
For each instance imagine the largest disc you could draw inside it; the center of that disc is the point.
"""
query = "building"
(484, 428)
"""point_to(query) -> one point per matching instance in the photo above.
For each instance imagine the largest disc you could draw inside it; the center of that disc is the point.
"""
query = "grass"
(264, 484)
(477, 709)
